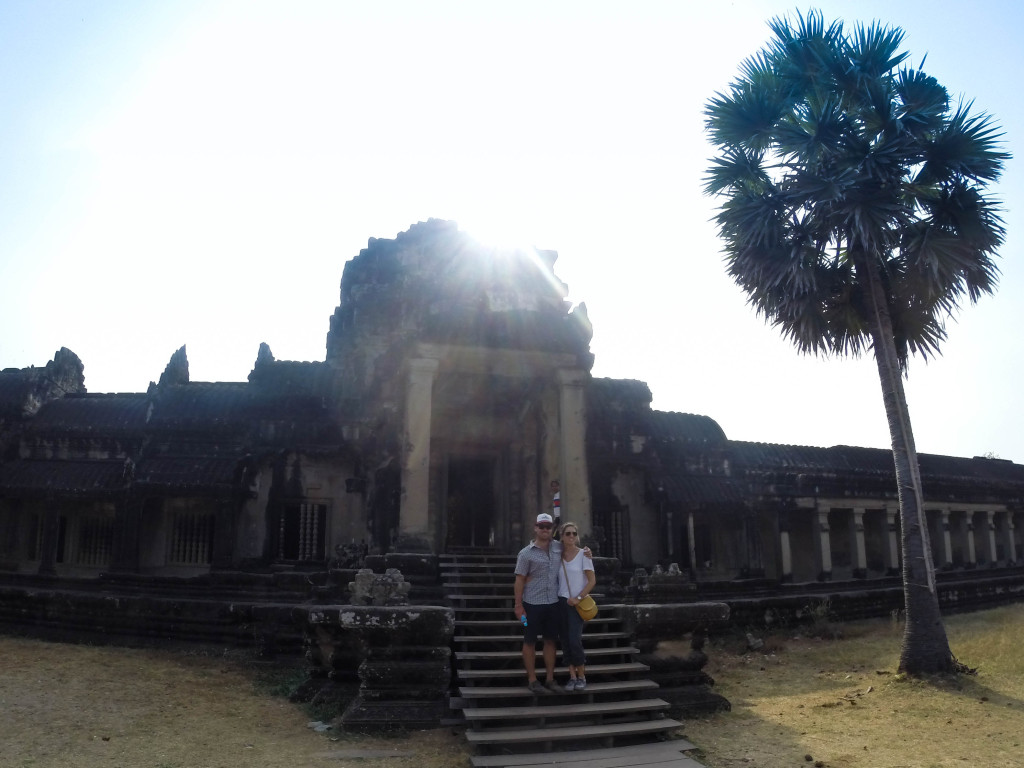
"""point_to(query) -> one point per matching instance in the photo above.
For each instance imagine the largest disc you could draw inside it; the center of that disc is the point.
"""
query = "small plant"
(819, 618)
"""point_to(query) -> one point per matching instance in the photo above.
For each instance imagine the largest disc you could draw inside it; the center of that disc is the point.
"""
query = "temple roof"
(671, 426)
(15, 386)
(92, 478)
(190, 472)
(856, 460)
(702, 491)
(91, 414)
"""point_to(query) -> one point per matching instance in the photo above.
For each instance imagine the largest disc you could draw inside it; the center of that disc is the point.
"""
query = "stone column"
(414, 521)
(48, 542)
(821, 527)
(990, 539)
(127, 523)
(971, 553)
(860, 551)
(785, 549)
(692, 544)
(1011, 543)
(947, 540)
(572, 447)
(228, 512)
(787, 556)
(892, 558)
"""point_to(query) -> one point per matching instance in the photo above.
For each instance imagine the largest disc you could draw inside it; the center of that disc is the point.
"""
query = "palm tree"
(853, 218)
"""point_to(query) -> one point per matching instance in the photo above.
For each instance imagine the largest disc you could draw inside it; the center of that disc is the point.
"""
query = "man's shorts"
(541, 621)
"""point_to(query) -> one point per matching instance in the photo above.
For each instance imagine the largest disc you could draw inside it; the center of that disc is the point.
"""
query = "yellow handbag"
(586, 608)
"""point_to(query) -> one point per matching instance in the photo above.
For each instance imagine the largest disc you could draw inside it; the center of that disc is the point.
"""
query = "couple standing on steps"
(551, 578)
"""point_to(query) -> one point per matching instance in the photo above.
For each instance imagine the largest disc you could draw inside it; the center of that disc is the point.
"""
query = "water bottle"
(523, 619)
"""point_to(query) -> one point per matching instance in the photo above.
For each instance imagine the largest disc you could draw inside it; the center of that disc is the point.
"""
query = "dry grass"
(838, 703)
(86, 707)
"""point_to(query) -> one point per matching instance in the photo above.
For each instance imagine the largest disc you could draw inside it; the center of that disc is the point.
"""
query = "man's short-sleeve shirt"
(541, 571)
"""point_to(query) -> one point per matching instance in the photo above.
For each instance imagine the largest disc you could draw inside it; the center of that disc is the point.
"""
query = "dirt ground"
(838, 702)
(86, 707)
(831, 701)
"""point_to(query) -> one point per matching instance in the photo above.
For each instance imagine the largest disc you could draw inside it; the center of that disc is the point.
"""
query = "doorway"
(470, 502)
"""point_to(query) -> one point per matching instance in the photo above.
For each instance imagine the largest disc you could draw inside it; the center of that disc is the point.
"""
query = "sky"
(198, 173)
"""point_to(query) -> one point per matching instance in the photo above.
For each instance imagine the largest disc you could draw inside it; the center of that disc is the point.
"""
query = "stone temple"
(455, 387)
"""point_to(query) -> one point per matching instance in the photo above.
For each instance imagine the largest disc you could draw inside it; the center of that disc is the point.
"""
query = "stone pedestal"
(400, 654)
(401, 687)
(682, 680)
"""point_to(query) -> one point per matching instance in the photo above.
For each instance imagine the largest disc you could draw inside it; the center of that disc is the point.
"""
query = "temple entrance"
(470, 502)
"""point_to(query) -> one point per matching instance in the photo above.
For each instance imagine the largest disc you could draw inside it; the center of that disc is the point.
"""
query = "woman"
(575, 581)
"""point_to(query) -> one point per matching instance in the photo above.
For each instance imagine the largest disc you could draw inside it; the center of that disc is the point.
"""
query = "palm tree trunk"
(925, 645)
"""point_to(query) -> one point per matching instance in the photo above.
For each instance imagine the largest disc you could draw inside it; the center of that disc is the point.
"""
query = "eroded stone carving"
(370, 588)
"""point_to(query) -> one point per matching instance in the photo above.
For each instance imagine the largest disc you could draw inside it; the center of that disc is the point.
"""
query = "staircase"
(504, 720)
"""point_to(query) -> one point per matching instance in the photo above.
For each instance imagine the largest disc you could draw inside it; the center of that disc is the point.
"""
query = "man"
(536, 597)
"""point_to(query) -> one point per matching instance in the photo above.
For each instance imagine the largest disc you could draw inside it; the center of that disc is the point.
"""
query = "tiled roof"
(701, 491)
(292, 376)
(978, 468)
(231, 408)
(189, 472)
(683, 427)
(220, 406)
(852, 459)
(78, 414)
(838, 459)
(32, 478)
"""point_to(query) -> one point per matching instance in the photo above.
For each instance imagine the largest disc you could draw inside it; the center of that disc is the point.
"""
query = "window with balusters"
(191, 541)
(301, 531)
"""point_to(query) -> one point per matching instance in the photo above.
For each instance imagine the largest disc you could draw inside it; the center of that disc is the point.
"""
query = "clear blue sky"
(199, 172)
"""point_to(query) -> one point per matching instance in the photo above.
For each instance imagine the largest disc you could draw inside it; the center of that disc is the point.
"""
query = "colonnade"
(829, 541)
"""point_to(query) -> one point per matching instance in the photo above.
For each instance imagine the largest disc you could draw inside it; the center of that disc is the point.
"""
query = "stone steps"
(593, 670)
(516, 655)
(591, 637)
(500, 693)
(559, 710)
(620, 705)
(604, 733)
(664, 754)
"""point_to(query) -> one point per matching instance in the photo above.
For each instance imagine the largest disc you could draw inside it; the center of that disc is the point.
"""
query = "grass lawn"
(839, 703)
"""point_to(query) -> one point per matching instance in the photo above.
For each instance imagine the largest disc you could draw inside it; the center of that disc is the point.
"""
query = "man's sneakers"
(536, 688)
(545, 689)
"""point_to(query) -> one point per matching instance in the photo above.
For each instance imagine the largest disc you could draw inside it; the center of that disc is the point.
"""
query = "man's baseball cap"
(544, 517)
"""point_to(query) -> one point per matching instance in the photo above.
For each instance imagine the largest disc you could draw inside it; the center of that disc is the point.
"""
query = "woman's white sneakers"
(575, 684)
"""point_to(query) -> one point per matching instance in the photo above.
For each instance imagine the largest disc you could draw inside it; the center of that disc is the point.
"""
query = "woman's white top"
(577, 579)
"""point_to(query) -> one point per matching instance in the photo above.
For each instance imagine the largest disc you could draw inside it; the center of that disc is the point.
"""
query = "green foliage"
(836, 160)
